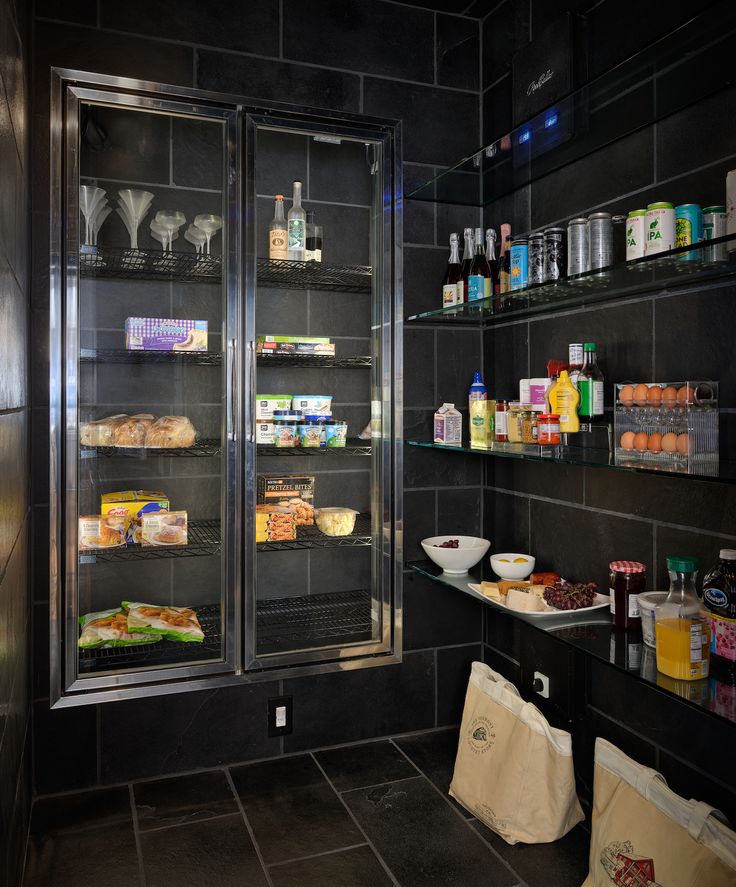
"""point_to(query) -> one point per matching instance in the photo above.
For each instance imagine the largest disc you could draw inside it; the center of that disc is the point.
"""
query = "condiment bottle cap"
(628, 567)
(682, 564)
(727, 554)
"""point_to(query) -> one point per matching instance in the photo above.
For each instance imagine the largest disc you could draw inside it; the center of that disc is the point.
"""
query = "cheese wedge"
(519, 599)
(490, 589)
(538, 590)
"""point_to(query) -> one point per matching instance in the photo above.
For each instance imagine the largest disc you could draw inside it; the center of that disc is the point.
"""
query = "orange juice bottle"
(682, 626)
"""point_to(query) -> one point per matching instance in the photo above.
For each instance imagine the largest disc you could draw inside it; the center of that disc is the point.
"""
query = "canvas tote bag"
(513, 771)
(644, 834)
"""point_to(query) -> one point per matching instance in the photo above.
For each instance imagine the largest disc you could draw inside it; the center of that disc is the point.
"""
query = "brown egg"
(682, 443)
(640, 441)
(641, 393)
(627, 440)
(654, 444)
(626, 395)
(684, 395)
(654, 396)
(669, 396)
(669, 442)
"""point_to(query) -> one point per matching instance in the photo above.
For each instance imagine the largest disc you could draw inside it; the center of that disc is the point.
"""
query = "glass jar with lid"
(628, 579)
(529, 422)
(513, 430)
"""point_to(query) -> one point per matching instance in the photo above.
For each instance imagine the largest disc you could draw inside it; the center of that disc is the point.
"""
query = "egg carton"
(671, 425)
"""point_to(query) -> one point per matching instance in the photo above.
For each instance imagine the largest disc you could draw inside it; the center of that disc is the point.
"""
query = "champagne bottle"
(452, 286)
(491, 256)
(467, 260)
(505, 270)
(277, 237)
(479, 278)
(297, 226)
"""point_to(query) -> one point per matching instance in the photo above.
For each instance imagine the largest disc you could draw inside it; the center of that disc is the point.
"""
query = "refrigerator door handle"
(232, 432)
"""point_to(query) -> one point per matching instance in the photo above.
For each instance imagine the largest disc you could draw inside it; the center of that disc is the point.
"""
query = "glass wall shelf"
(354, 447)
(200, 448)
(660, 80)
(639, 277)
(719, 471)
(594, 635)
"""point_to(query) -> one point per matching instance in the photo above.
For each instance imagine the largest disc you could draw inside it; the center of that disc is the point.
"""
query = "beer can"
(519, 261)
(577, 246)
(731, 208)
(555, 254)
(635, 237)
(688, 228)
(714, 225)
(659, 225)
(619, 239)
(600, 248)
(536, 258)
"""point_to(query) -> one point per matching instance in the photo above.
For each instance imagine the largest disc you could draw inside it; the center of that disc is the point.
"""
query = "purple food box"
(165, 334)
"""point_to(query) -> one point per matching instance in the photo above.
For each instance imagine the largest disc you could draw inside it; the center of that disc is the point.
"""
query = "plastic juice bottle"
(480, 426)
(682, 626)
(719, 596)
(564, 399)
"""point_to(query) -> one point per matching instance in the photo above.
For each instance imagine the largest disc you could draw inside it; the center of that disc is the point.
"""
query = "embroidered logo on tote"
(625, 868)
(481, 735)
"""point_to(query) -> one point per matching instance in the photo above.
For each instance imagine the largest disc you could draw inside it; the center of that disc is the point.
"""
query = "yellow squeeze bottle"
(564, 399)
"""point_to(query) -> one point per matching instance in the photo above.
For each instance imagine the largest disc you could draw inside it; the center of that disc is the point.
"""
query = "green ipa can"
(635, 234)
(659, 226)
(714, 225)
(688, 228)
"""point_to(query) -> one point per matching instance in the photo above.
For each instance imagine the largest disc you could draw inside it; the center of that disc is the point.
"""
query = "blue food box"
(165, 334)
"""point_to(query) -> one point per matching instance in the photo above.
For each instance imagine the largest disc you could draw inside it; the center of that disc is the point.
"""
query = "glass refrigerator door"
(147, 406)
(321, 326)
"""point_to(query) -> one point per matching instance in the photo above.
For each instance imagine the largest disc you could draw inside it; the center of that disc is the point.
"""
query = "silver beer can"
(555, 255)
(577, 246)
(714, 225)
(536, 258)
(601, 240)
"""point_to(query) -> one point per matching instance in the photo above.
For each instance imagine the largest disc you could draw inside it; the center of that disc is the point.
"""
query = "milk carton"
(448, 426)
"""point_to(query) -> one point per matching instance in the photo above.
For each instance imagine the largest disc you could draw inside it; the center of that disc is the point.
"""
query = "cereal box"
(130, 505)
(164, 528)
(292, 491)
(165, 334)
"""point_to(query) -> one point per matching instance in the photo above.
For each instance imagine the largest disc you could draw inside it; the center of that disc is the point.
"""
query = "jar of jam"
(501, 424)
(549, 429)
(514, 422)
(529, 424)
(627, 580)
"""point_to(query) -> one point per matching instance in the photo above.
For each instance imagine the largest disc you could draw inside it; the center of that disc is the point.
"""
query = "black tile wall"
(457, 52)
(505, 31)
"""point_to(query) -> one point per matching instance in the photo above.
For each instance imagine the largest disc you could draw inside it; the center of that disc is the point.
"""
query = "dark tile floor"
(367, 815)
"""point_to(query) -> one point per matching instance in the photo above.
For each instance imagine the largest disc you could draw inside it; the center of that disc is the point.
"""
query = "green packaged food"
(174, 623)
(109, 628)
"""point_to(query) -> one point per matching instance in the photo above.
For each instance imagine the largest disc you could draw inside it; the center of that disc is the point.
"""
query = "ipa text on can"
(519, 264)
(577, 246)
(688, 228)
(714, 225)
(601, 240)
(536, 258)
(635, 236)
(659, 226)
(555, 254)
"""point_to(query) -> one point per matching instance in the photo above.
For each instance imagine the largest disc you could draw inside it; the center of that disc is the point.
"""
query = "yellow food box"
(275, 524)
(131, 505)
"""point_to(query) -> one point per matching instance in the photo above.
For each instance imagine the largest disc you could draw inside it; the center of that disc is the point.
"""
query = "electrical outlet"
(280, 715)
(541, 684)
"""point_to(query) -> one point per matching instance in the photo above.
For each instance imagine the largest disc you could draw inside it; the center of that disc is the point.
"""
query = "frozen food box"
(291, 340)
(267, 403)
(294, 345)
(130, 505)
(98, 531)
(264, 431)
(164, 528)
(292, 491)
(275, 523)
(165, 334)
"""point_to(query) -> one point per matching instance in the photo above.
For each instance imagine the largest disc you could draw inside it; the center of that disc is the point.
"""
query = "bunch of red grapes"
(450, 543)
(570, 595)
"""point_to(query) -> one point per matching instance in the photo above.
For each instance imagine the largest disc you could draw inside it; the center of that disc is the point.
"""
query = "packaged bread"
(131, 431)
(174, 623)
(101, 531)
(109, 628)
(99, 433)
(171, 431)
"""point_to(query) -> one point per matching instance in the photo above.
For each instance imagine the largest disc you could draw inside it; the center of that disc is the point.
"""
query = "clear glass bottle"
(682, 627)
(309, 238)
(297, 226)
(467, 261)
(277, 236)
(479, 278)
(492, 260)
(590, 385)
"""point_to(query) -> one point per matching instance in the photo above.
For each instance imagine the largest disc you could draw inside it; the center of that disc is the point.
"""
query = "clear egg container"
(669, 425)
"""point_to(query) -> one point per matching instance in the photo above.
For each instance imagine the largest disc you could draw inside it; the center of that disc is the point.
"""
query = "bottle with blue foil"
(481, 428)
(479, 276)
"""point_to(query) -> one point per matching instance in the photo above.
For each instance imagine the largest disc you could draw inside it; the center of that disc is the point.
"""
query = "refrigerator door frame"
(239, 666)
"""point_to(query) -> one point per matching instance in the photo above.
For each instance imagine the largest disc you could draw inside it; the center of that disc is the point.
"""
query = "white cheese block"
(517, 599)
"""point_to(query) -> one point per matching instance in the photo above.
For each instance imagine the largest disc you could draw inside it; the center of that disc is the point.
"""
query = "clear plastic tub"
(336, 521)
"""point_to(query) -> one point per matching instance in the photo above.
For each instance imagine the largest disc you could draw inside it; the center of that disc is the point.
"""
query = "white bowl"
(512, 570)
(456, 561)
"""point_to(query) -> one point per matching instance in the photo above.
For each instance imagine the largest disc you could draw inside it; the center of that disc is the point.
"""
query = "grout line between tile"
(136, 834)
(316, 855)
(248, 826)
(355, 821)
(451, 805)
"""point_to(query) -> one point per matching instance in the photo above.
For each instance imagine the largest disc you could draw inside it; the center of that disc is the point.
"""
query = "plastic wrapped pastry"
(100, 432)
(109, 628)
(131, 431)
(171, 431)
(175, 623)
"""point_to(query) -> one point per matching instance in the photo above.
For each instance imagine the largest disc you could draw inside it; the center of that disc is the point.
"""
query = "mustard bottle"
(564, 399)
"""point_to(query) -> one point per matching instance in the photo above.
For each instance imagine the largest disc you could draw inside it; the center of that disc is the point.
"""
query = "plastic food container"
(311, 434)
(336, 434)
(267, 403)
(285, 425)
(335, 521)
(647, 602)
(317, 404)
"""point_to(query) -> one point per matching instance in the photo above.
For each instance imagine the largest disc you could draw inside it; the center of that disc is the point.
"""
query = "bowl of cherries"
(455, 554)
